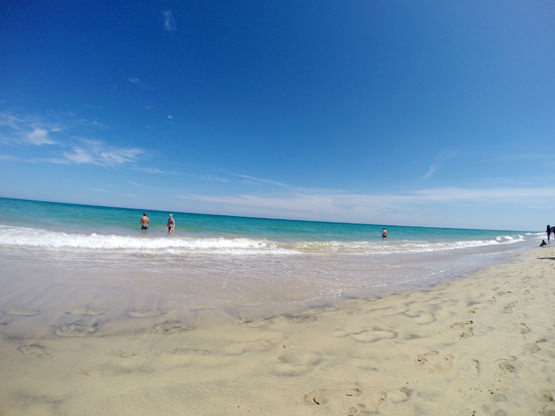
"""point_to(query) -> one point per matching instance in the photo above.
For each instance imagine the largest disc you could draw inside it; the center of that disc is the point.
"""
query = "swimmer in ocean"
(144, 222)
(384, 233)
(171, 224)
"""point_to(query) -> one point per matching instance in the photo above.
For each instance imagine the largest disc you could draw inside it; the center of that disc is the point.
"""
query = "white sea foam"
(366, 247)
(25, 237)
(38, 238)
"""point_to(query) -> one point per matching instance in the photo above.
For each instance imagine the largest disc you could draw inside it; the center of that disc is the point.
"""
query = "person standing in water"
(144, 222)
(548, 231)
(171, 224)
(384, 233)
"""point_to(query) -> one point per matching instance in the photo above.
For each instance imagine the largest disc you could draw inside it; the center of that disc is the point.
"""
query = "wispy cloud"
(32, 130)
(255, 180)
(431, 170)
(11, 121)
(8, 157)
(333, 205)
(96, 152)
(500, 195)
(27, 130)
(169, 21)
(153, 171)
(134, 80)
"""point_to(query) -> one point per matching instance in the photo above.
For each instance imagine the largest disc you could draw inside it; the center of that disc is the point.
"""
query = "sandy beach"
(482, 345)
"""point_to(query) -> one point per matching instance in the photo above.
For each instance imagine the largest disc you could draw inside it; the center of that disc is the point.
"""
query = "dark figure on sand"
(548, 231)
(144, 222)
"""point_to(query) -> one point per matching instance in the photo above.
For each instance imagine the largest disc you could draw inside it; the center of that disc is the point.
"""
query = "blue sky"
(438, 113)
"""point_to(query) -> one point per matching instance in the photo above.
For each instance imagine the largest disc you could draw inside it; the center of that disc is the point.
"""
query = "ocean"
(57, 255)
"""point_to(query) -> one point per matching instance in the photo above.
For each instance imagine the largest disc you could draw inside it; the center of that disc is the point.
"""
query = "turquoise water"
(108, 221)
(252, 265)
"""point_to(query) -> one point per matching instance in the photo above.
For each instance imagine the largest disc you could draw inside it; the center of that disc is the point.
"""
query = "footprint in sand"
(295, 364)
(322, 396)
(419, 315)
(549, 408)
(547, 396)
(424, 318)
(86, 311)
(76, 329)
(34, 350)
(168, 328)
(145, 313)
(465, 327)
(367, 335)
(533, 347)
(399, 396)
(509, 307)
(424, 358)
(434, 362)
(370, 405)
(23, 312)
(506, 365)
(524, 329)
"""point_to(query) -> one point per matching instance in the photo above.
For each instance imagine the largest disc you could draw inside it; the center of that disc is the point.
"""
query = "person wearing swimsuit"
(171, 224)
(144, 222)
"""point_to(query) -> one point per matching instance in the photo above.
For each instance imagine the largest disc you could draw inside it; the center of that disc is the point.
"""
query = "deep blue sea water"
(226, 262)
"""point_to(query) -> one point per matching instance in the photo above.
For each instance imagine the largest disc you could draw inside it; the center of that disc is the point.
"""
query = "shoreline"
(480, 345)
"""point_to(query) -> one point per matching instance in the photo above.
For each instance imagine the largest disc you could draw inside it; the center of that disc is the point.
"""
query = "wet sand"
(482, 345)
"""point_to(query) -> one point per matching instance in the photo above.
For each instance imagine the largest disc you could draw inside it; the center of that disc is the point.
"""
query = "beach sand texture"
(482, 345)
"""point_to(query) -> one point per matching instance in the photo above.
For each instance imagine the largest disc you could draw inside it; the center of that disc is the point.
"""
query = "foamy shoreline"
(481, 345)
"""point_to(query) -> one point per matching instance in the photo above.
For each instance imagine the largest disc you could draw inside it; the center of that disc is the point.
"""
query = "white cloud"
(29, 130)
(169, 21)
(38, 137)
(7, 157)
(134, 80)
(96, 152)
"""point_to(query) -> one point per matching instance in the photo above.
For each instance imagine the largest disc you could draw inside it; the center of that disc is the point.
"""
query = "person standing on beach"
(144, 222)
(384, 233)
(548, 231)
(171, 224)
